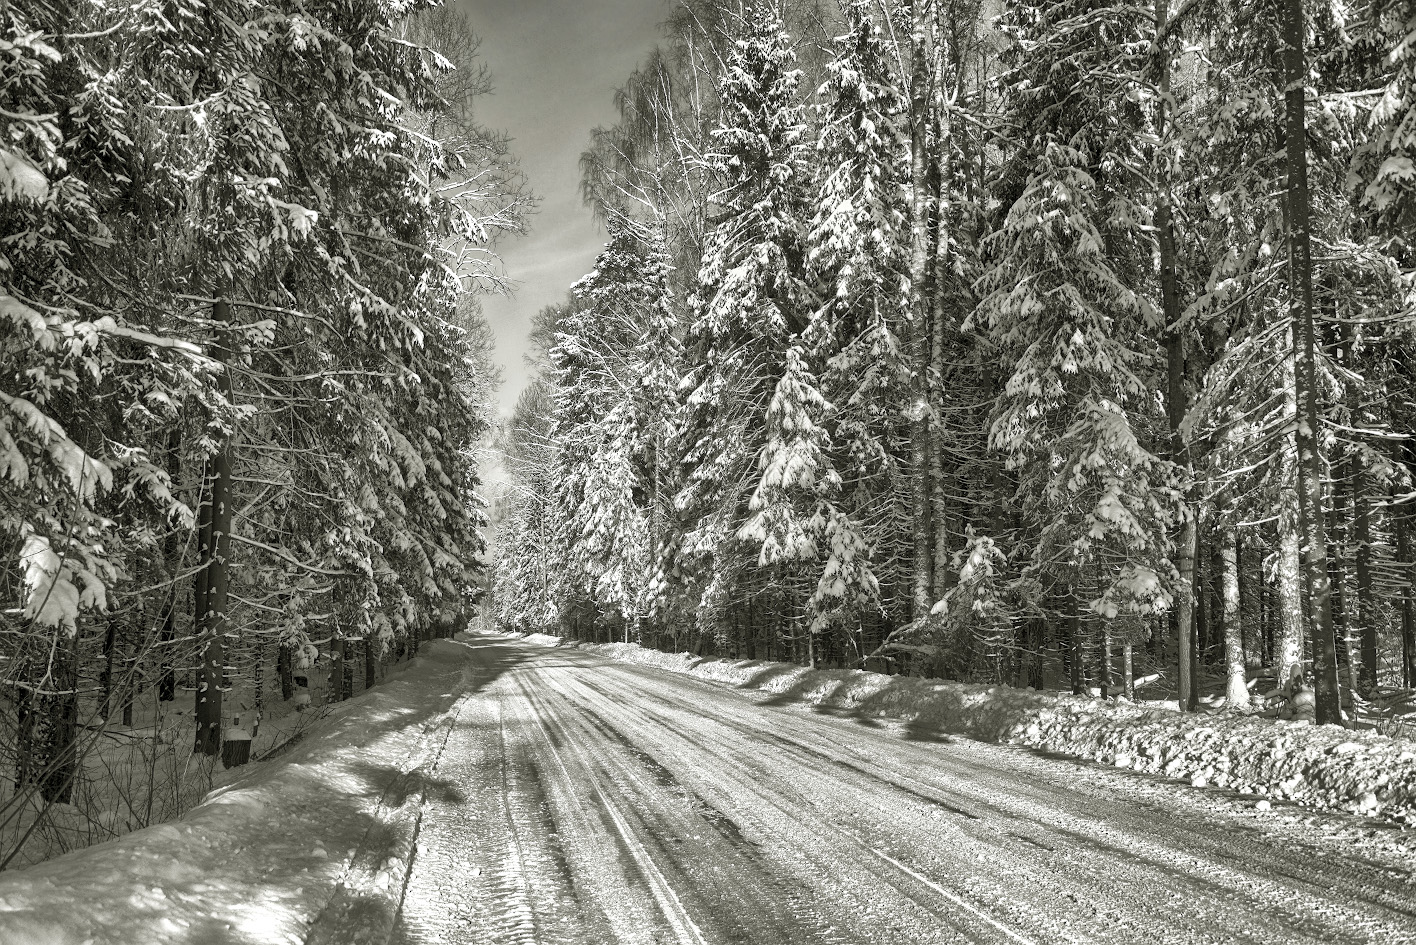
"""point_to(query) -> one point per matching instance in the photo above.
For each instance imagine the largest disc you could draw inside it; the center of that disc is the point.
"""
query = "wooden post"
(216, 555)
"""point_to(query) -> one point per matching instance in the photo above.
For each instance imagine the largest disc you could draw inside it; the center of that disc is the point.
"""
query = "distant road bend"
(585, 801)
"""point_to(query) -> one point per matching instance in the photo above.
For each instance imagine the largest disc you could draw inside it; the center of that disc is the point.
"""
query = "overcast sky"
(555, 64)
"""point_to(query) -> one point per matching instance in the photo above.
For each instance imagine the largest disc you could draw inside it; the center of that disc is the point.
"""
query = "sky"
(555, 65)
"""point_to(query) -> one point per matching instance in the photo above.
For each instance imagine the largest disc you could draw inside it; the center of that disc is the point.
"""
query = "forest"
(244, 376)
(1020, 343)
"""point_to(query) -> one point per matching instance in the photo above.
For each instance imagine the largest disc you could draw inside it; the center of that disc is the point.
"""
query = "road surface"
(580, 800)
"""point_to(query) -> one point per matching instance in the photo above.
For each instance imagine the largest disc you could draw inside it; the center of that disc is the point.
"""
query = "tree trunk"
(47, 723)
(1309, 481)
(1187, 656)
(1128, 671)
(110, 635)
(284, 672)
(335, 690)
(1203, 610)
(258, 683)
(1288, 650)
(1177, 405)
(167, 677)
(1074, 655)
(1251, 583)
(1338, 549)
(1363, 613)
(371, 649)
(216, 560)
(346, 682)
(61, 753)
(940, 177)
(1406, 562)
(1236, 689)
(919, 338)
(1107, 690)
(27, 725)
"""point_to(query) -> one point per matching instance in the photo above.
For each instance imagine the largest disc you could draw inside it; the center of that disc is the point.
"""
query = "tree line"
(992, 341)
(243, 374)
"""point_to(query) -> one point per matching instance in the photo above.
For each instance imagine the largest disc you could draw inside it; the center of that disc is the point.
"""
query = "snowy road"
(581, 800)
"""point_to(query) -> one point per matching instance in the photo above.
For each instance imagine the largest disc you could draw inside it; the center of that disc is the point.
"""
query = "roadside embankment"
(1321, 767)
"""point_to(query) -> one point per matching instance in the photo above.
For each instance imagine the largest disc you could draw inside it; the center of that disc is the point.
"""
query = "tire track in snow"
(628, 805)
(847, 852)
(737, 894)
(671, 908)
(1279, 911)
(487, 867)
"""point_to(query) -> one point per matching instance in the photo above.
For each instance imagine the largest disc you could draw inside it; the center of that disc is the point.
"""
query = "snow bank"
(1329, 768)
(312, 846)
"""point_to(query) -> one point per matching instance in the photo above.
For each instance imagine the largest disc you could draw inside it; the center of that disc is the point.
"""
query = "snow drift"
(1325, 768)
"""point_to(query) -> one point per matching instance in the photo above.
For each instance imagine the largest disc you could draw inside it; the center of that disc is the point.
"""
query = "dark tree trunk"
(49, 726)
(167, 676)
(284, 672)
(1406, 555)
(1176, 403)
(336, 670)
(1037, 628)
(258, 681)
(1074, 655)
(105, 678)
(212, 616)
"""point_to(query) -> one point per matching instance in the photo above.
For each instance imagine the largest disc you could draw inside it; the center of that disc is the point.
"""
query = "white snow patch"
(21, 180)
(262, 858)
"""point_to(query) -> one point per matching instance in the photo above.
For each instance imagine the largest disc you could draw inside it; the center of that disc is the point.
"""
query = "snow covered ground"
(144, 773)
(500, 791)
(1327, 768)
(260, 859)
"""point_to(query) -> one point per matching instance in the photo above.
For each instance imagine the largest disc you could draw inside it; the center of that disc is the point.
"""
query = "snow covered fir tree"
(1008, 344)
(962, 486)
(244, 372)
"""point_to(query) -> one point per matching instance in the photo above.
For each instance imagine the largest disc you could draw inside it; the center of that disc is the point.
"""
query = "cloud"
(555, 65)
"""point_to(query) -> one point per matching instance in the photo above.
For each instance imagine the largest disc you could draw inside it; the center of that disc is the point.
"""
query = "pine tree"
(752, 298)
(1066, 301)
(614, 384)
